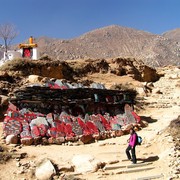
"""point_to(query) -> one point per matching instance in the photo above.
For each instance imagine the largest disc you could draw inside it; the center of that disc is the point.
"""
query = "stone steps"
(165, 93)
(133, 168)
(151, 177)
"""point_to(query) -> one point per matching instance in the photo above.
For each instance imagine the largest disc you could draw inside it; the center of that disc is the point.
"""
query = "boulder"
(4, 100)
(103, 135)
(96, 136)
(52, 140)
(45, 141)
(87, 139)
(37, 140)
(141, 91)
(45, 170)
(34, 79)
(39, 121)
(149, 74)
(27, 141)
(11, 139)
(84, 163)
(119, 133)
(70, 138)
(60, 140)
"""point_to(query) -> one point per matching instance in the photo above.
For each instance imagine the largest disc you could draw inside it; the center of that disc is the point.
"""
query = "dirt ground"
(155, 153)
(156, 148)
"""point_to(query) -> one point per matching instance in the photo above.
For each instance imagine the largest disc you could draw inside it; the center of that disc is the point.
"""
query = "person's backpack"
(138, 140)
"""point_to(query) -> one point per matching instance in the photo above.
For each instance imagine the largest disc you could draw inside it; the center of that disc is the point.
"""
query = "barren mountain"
(115, 41)
(173, 34)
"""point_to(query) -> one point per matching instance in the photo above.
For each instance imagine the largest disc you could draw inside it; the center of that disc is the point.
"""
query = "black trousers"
(133, 153)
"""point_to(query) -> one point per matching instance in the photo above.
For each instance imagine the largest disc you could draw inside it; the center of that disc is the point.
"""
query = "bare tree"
(7, 33)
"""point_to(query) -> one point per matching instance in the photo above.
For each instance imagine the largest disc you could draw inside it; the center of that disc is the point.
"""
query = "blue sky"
(67, 19)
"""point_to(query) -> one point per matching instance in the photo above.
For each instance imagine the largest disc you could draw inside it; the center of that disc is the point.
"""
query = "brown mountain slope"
(115, 41)
(173, 34)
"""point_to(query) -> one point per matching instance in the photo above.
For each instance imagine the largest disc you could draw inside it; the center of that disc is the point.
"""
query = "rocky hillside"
(15, 73)
(115, 41)
(173, 34)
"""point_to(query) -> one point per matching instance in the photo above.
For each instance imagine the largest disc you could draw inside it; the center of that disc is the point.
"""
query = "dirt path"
(157, 147)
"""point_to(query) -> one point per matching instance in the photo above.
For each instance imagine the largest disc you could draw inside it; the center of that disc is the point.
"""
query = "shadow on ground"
(148, 119)
(149, 159)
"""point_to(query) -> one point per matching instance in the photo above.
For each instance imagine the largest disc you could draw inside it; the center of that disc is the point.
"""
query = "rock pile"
(37, 128)
(59, 113)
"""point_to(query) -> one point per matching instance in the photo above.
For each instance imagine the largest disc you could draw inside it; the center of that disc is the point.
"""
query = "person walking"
(131, 146)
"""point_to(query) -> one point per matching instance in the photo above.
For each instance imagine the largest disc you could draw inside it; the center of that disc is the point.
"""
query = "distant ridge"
(173, 34)
(116, 41)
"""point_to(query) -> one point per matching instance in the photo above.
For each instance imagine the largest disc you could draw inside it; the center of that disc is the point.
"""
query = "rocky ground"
(158, 103)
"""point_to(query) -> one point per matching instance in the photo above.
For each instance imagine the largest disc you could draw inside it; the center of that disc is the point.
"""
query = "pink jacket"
(132, 140)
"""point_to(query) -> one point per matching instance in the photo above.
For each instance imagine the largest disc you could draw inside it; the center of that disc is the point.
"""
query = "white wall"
(35, 54)
(10, 55)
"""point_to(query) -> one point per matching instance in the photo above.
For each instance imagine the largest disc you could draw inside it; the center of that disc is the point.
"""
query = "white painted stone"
(85, 163)
(34, 79)
(11, 139)
(45, 170)
(141, 90)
